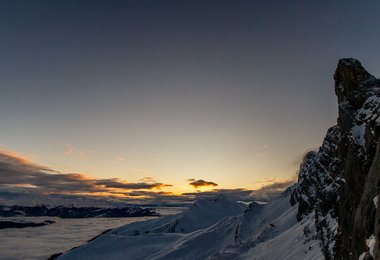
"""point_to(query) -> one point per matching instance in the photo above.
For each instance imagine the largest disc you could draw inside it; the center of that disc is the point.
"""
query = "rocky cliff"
(338, 183)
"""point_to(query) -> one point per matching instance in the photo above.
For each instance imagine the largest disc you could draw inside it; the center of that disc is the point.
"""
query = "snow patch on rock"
(376, 201)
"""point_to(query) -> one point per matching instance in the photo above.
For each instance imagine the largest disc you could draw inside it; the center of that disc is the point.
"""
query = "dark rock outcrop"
(338, 183)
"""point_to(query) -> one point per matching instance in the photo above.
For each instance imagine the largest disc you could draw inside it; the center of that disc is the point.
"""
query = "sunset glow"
(134, 99)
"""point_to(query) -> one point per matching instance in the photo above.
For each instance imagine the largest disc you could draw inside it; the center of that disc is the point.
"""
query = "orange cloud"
(19, 172)
(13, 158)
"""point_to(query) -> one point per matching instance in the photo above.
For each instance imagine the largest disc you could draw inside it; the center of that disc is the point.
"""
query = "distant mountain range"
(330, 213)
(76, 212)
(8, 198)
(23, 224)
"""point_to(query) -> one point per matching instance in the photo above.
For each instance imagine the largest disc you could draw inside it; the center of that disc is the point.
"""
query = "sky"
(179, 95)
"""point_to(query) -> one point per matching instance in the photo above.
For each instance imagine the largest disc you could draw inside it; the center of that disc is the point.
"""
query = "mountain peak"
(350, 71)
(353, 83)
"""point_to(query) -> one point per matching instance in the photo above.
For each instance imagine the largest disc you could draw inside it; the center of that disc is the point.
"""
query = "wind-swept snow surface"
(211, 229)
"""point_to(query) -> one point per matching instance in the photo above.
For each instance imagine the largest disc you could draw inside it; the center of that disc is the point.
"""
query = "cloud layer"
(16, 172)
(18, 175)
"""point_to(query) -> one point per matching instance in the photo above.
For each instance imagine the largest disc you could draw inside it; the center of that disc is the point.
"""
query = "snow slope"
(211, 229)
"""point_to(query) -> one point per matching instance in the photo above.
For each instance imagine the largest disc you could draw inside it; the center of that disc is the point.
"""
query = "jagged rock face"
(337, 183)
(318, 189)
(358, 96)
(319, 173)
(367, 216)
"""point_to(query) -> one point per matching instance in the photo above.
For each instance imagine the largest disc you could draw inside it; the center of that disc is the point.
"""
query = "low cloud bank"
(25, 180)
(18, 173)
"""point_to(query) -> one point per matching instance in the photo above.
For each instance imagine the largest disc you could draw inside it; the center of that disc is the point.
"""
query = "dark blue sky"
(231, 91)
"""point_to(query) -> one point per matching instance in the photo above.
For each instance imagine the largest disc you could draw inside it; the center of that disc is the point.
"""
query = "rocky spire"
(352, 82)
(353, 86)
(338, 183)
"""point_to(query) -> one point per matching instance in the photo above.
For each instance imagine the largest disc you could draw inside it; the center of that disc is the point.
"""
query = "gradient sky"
(231, 92)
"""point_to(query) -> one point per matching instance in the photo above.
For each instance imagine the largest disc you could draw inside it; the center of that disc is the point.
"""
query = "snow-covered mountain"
(330, 213)
(210, 229)
(203, 213)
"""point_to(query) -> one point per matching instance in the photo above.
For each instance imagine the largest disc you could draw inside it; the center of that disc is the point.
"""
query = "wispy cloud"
(71, 151)
(273, 189)
(261, 155)
(299, 159)
(260, 148)
(119, 158)
(201, 183)
(265, 181)
(260, 151)
(147, 179)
